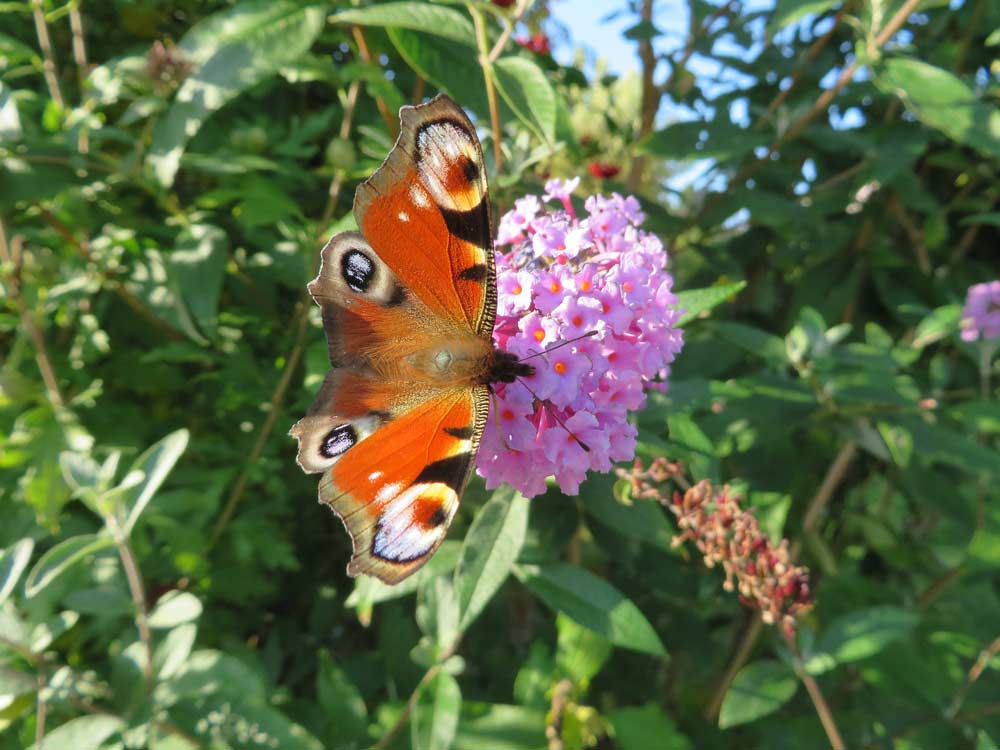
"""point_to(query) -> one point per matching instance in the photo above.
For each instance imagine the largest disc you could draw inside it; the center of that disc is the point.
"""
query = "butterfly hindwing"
(397, 491)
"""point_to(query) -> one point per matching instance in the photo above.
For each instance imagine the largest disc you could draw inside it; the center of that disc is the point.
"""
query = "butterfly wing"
(395, 438)
(426, 213)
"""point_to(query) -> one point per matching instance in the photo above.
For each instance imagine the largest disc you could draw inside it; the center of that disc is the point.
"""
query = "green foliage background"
(168, 580)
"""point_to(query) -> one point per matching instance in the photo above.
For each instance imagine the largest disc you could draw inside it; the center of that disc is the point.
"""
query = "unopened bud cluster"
(726, 535)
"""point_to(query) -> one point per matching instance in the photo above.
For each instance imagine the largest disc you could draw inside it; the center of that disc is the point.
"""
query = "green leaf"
(425, 17)
(491, 726)
(691, 445)
(83, 733)
(641, 519)
(13, 560)
(173, 651)
(760, 688)
(753, 340)
(694, 302)
(154, 464)
(10, 120)
(341, 702)
(436, 724)
(198, 263)
(213, 673)
(527, 90)
(369, 591)
(858, 635)
(59, 559)
(490, 548)
(592, 602)
(45, 633)
(260, 37)
(580, 652)
(937, 325)
(787, 12)
(445, 63)
(14, 683)
(716, 139)
(943, 101)
(646, 728)
(175, 608)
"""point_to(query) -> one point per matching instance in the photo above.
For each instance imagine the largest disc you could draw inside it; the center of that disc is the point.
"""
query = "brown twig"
(816, 695)
(48, 58)
(553, 728)
(652, 93)
(337, 183)
(300, 325)
(411, 702)
(915, 235)
(508, 29)
(811, 54)
(982, 661)
(834, 476)
(79, 42)
(390, 120)
(819, 106)
(134, 578)
(41, 705)
(491, 94)
(11, 254)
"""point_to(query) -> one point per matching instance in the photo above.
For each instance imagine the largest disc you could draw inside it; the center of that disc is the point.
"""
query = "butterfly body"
(408, 306)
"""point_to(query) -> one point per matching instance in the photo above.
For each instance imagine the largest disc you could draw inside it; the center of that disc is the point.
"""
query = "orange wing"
(425, 211)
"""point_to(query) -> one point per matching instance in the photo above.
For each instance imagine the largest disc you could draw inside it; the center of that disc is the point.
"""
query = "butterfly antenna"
(552, 348)
(552, 413)
(496, 418)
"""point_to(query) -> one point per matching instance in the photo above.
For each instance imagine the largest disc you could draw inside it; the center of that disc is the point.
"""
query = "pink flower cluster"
(981, 316)
(561, 279)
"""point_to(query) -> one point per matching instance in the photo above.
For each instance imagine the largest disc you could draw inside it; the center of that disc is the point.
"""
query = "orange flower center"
(560, 367)
(539, 334)
(584, 286)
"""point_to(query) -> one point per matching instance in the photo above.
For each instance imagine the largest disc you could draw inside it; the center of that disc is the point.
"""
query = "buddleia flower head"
(561, 277)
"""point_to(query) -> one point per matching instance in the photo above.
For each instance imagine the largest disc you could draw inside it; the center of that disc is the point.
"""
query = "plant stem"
(337, 183)
(11, 254)
(491, 94)
(391, 123)
(816, 695)
(522, 7)
(48, 58)
(300, 325)
(134, 578)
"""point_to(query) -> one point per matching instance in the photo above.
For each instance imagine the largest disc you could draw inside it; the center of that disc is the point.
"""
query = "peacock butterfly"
(408, 306)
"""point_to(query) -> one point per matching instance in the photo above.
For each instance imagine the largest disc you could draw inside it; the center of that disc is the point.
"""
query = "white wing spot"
(420, 198)
(374, 476)
(387, 492)
(403, 216)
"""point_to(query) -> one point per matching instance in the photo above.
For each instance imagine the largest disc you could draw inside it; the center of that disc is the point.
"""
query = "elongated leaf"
(263, 35)
(198, 263)
(639, 518)
(943, 101)
(527, 90)
(45, 633)
(59, 559)
(492, 726)
(937, 325)
(13, 560)
(445, 63)
(83, 733)
(646, 728)
(340, 701)
(174, 608)
(759, 689)
(580, 652)
(436, 724)
(173, 651)
(592, 602)
(489, 551)
(430, 19)
(696, 301)
(863, 633)
(154, 464)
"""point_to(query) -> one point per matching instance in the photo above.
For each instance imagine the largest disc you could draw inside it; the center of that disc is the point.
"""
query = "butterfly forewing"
(408, 308)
